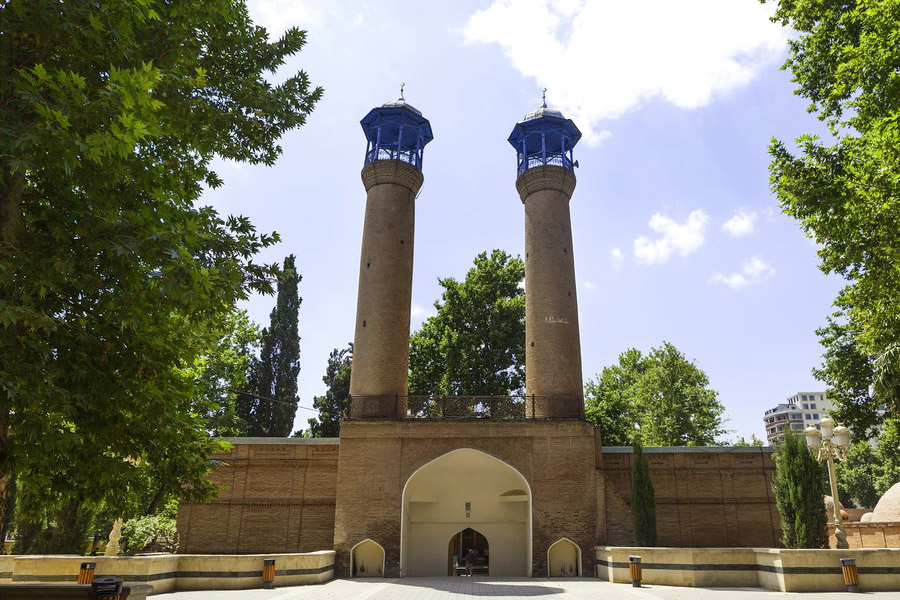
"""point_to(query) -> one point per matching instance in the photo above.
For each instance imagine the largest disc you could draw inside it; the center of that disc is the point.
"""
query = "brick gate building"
(413, 481)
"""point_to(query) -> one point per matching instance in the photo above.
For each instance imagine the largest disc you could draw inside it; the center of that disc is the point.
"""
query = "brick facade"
(277, 496)
(705, 497)
(295, 495)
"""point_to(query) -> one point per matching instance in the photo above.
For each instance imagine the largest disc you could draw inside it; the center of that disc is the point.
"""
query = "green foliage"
(888, 456)
(643, 498)
(221, 373)
(475, 345)
(799, 495)
(270, 410)
(845, 59)
(139, 533)
(743, 443)
(848, 372)
(112, 280)
(857, 476)
(337, 394)
(662, 397)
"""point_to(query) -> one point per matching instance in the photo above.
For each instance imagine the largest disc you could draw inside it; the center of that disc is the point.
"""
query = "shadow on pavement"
(481, 586)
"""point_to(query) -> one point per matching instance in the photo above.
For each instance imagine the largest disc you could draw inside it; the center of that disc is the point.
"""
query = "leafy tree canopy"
(844, 192)
(475, 344)
(337, 394)
(222, 374)
(112, 280)
(744, 443)
(662, 397)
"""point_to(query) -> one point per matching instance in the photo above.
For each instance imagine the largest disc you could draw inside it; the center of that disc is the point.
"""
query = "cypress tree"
(273, 376)
(643, 498)
(799, 495)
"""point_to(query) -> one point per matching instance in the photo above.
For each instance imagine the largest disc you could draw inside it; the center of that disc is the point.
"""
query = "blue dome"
(396, 131)
(544, 137)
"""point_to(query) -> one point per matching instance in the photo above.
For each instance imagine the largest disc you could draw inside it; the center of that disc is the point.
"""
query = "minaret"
(546, 179)
(392, 175)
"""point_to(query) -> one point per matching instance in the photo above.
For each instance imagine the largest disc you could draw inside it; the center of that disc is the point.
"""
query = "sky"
(676, 234)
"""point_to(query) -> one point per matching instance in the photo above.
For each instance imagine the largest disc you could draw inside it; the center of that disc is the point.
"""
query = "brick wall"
(705, 497)
(277, 496)
(294, 495)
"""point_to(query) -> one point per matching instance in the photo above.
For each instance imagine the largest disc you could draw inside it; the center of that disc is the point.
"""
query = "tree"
(857, 476)
(799, 495)
(848, 372)
(270, 410)
(663, 397)
(643, 498)
(475, 344)
(845, 192)
(752, 442)
(112, 279)
(337, 394)
(222, 373)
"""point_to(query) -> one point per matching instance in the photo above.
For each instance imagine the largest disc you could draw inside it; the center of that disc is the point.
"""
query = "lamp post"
(830, 444)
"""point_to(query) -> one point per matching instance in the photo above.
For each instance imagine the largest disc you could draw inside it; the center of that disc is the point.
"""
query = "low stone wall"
(772, 568)
(171, 572)
(869, 535)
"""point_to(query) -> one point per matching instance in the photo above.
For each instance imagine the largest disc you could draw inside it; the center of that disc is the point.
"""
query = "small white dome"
(888, 508)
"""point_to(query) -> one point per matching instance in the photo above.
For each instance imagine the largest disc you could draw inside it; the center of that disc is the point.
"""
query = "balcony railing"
(455, 407)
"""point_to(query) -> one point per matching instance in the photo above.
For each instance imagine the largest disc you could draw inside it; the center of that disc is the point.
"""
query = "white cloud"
(742, 223)
(684, 238)
(420, 313)
(278, 15)
(590, 286)
(602, 58)
(753, 271)
(616, 258)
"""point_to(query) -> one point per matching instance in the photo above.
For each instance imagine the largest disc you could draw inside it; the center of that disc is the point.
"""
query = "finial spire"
(402, 85)
(544, 99)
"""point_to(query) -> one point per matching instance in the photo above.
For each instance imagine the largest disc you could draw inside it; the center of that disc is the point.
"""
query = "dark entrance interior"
(458, 548)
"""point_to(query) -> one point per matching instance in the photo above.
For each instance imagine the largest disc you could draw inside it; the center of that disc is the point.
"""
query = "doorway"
(458, 549)
(466, 489)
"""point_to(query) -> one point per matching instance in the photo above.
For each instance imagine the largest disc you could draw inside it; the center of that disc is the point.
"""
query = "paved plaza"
(464, 588)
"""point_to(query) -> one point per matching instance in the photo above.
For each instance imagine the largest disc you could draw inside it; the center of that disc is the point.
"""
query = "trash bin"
(86, 573)
(268, 573)
(108, 588)
(851, 574)
(634, 567)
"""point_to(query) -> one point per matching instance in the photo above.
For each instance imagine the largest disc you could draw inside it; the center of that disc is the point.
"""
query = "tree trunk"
(11, 187)
(4, 463)
(157, 499)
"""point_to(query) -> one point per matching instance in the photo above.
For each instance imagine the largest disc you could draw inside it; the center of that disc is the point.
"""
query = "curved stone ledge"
(396, 172)
(548, 177)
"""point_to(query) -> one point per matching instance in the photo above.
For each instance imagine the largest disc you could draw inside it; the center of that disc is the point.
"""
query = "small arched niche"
(367, 559)
(564, 559)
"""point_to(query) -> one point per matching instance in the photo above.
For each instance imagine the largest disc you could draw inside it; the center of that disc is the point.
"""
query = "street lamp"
(830, 444)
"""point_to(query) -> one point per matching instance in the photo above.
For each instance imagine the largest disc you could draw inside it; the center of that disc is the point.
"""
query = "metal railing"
(458, 407)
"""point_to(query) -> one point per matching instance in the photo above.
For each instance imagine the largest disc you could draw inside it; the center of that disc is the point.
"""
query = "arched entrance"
(564, 559)
(458, 549)
(367, 559)
(465, 489)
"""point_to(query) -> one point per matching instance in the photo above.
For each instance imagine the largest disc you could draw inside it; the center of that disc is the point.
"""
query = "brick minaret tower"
(544, 141)
(392, 175)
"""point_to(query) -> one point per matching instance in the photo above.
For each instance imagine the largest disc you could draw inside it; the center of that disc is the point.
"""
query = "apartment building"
(795, 414)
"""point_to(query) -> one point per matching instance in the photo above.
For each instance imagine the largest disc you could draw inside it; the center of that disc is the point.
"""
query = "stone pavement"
(465, 588)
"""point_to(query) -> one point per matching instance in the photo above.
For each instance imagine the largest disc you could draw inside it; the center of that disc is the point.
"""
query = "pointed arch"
(367, 559)
(465, 488)
(564, 559)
